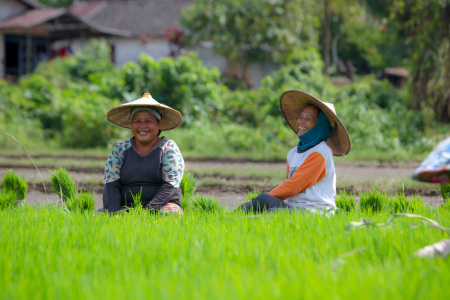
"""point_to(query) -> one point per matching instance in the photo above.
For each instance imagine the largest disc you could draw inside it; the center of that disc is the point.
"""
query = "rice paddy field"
(47, 252)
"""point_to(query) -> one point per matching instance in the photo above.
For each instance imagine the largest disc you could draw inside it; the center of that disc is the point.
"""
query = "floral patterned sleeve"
(172, 164)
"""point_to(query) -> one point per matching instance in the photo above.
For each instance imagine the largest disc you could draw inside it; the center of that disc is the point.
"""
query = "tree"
(426, 31)
(252, 30)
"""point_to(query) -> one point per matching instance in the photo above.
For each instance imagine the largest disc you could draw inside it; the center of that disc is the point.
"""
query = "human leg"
(267, 202)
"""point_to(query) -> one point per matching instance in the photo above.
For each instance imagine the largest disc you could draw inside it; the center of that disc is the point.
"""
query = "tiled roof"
(32, 18)
(66, 22)
(138, 16)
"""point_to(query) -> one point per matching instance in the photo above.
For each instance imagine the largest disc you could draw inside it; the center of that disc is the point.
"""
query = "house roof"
(58, 22)
(32, 18)
(138, 16)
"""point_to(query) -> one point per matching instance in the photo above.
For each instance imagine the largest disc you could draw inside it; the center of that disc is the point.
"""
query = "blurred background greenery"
(63, 103)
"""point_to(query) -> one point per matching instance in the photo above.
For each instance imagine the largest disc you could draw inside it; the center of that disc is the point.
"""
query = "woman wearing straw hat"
(311, 177)
(145, 164)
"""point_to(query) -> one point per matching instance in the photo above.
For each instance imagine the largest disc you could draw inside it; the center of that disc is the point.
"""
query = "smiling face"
(307, 120)
(145, 127)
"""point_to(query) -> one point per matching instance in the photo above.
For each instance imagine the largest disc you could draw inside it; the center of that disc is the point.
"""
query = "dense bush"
(64, 103)
(184, 84)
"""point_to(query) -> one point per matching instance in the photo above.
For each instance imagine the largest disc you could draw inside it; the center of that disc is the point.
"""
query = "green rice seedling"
(83, 202)
(63, 184)
(65, 187)
(15, 182)
(446, 205)
(188, 185)
(345, 201)
(400, 204)
(445, 192)
(373, 201)
(8, 198)
(250, 195)
(137, 202)
(206, 204)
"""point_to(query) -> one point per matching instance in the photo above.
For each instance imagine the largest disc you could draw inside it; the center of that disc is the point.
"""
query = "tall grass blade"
(28, 155)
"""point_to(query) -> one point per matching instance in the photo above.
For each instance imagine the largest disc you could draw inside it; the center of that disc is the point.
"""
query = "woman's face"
(145, 127)
(306, 120)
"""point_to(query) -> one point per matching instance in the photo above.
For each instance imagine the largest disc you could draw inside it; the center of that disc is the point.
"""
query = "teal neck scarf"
(315, 135)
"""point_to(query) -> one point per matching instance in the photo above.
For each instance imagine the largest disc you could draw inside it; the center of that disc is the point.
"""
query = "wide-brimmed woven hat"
(292, 103)
(121, 115)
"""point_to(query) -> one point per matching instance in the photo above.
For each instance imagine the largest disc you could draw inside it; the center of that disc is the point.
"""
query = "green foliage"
(445, 191)
(345, 201)
(206, 204)
(75, 255)
(252, 30)
(137, 202)
(8, 198)
(184, 84)
(65, 187)
(83, 202)
(400, 204)
(187, 185)
(63, 184)
(374, 201)
(14, 182)
(250, 195)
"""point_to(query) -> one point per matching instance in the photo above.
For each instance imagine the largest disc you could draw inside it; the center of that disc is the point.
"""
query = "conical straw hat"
(292, 103)
(121, 115)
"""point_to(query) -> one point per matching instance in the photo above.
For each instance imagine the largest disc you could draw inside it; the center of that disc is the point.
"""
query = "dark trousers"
(263, 202)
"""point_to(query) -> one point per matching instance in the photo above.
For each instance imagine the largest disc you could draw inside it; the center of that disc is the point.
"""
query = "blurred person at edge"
(311, 176)
(145, 164)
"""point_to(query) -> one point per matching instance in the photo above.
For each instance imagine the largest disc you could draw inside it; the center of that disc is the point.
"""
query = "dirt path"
(231, 194)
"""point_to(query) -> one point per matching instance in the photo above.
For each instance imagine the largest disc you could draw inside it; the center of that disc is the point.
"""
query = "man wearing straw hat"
(311, 177)
(145, 164)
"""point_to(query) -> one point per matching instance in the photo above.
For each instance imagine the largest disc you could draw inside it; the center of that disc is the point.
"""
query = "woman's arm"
(172, 166)
(111, 179)
(308, 174)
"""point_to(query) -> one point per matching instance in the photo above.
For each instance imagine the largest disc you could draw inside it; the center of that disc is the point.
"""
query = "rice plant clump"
(84, 201)
(206, 204)
(345, 201)
(249, 196)
(8, 198)
(63, 184)
(400, 204)
(188, 187)
(445, 192)
(65, 187)
(14, 182)
(373, 201)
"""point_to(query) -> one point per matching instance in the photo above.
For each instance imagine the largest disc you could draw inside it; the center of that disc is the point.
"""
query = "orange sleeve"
(308, 174)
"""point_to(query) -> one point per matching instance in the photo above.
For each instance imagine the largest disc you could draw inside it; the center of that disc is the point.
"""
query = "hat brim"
(121, 115)
(293, 102)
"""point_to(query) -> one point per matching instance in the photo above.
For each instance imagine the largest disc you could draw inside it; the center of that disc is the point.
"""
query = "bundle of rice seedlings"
(445, 192)
(14, 182)
(206, 204)
(65, 187)
(84, 201)
(63, 184)
(345, 202)
(373, 201)
(8, 198)
(188, 187)
(400, 204)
